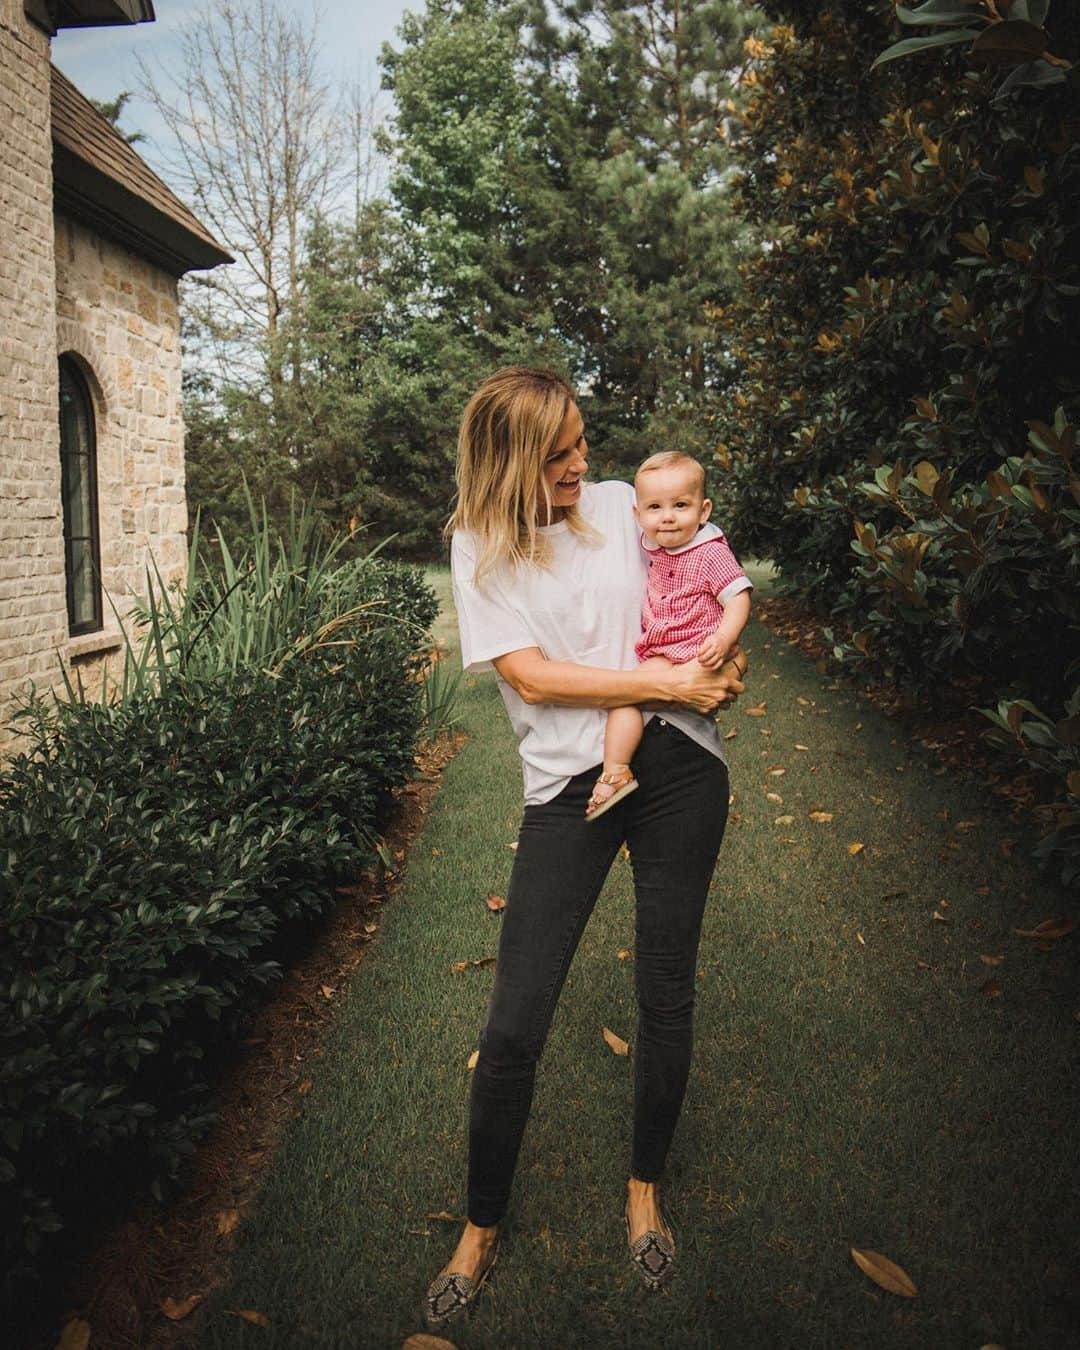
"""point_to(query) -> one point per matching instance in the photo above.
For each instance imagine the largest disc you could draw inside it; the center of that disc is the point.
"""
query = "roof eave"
(52, 15)
(91, 197)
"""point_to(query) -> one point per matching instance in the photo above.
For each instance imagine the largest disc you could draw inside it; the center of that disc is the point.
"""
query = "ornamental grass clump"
(162, 850)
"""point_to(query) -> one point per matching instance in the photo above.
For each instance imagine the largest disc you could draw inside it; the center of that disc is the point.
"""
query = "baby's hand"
(714, 651)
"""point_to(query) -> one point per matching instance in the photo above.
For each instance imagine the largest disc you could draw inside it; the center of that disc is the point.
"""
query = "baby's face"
(670, 506)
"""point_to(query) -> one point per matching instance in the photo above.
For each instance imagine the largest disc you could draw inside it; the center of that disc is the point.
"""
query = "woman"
(548, 582)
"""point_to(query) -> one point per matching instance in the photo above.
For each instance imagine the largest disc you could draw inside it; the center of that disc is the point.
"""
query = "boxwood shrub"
(152, 854)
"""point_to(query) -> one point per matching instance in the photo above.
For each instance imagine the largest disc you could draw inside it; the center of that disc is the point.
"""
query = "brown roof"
(99, 177)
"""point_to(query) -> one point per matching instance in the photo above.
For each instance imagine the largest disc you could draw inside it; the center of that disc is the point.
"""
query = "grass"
(852, 1086)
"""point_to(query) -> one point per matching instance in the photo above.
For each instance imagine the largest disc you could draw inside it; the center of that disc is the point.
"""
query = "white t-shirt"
(586, 608)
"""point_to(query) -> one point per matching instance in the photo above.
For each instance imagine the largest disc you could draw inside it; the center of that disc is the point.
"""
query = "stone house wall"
(32, 598)
(66, 289)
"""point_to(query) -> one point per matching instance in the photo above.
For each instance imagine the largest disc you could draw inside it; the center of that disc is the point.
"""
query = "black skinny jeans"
(673, 825)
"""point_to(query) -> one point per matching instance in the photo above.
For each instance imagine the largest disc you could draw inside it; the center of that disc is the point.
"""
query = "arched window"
(78, 487)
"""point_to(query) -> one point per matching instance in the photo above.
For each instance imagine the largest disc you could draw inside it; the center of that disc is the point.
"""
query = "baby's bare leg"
(622, 736)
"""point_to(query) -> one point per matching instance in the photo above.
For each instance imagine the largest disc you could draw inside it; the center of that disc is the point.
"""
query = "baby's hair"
(669, 459)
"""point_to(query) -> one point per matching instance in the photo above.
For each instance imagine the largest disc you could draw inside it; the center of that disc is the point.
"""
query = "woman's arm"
(689, 685)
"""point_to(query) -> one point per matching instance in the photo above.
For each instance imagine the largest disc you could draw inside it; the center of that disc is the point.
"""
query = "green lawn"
(852, 1084)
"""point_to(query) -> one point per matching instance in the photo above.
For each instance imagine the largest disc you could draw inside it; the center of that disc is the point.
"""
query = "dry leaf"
(822, 817)
(257, 1319)
(422, 1341)
(876, 800)
(801, 747)
(495, 903)
(177, 1311)
(370, 927)
(991, 988)
(759, 711)
(227, 1220)
(444, 1216)
(1049, 928)
(327, 990)
(855, 848)
(991, 960)
(471, 1062)
(884, 1273)
(729, 734)
(624, 955)
(625, 853)
(75, 1335)
(513, 846)
(861, 938)
(460, 965)
(940, 917)
(305, 1087)
(616, 1043)
(858, 726)
(806, 702)
(923, 965)
(784, 820)
(965, 824)
(434, 852)
(773, 797)
(776, 771)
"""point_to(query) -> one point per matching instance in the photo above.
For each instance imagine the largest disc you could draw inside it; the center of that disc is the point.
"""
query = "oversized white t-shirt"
(586, 608)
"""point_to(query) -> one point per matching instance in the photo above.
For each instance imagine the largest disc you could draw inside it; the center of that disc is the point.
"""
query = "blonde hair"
(668, 459)
(509, 426)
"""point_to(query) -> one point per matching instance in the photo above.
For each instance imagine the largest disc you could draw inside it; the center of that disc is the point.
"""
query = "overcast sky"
(102, 61)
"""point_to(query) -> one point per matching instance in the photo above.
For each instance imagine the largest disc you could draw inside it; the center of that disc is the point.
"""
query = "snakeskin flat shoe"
(450, 1296)
(652, 1255)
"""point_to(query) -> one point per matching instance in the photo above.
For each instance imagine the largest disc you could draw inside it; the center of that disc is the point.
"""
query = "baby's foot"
(611, 787)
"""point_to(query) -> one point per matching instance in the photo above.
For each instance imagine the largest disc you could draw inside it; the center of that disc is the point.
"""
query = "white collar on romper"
(705, 534)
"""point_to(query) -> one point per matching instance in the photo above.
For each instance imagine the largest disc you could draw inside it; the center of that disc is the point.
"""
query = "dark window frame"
(73, 378)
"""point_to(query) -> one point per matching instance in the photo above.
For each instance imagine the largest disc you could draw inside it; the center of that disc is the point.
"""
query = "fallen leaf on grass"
(855, 848)
(257, 1319)
(495, 903)
(861, 938)
(990, 960)
(965, 824)
(75, 1335)
(305, 1087)
(784, 820)
(991, 989)
(729, 734)
(822, 817)
(806, 702)
(940, 917)
(876, 800)
(476, 961)
(801, 747)
(624, 955)
(513, 845)
(422, 1341)
(773, 797)
(471, 1062)
(1049, 928)
(777, 771)
(625, 852)
(616, 1043)
(327, 990)
(923, 965)
(759, 711)
(177, 1309)
(444, 1216)
(227, 1220)
(885, 1273)
(370, 927)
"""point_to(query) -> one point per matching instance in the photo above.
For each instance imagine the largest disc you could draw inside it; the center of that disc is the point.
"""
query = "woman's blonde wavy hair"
(508, 428)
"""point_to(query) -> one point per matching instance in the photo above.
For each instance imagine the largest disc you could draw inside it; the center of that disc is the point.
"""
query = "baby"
(696, 606)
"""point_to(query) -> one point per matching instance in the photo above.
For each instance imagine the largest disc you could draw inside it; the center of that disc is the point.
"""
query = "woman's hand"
(704, 690)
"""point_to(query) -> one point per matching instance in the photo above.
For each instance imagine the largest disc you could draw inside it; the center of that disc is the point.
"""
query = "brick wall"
(65, 289)
(32, 606)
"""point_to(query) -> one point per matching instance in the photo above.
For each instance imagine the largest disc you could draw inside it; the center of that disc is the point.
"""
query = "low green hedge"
(151, 853)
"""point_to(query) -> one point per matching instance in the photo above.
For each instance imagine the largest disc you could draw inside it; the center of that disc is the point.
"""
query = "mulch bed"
(140, 1285)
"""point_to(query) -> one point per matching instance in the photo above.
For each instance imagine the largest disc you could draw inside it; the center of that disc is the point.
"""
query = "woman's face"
(564, 468)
